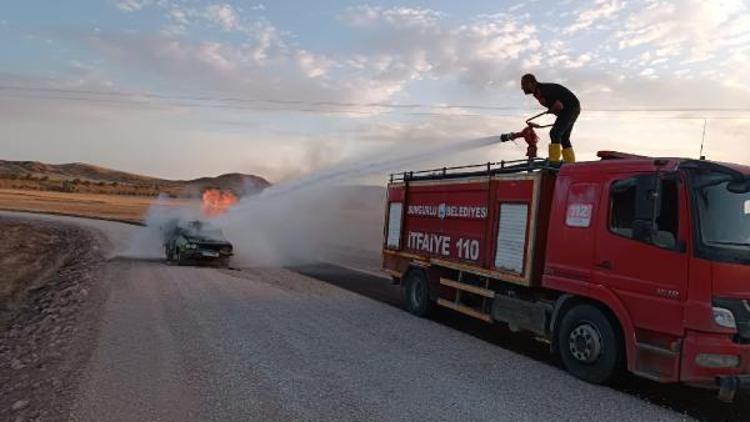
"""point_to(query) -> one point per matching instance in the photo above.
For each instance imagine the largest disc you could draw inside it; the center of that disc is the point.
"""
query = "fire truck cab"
(629, 262)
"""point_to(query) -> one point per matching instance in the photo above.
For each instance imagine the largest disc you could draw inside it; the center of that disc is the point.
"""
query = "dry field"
(113, 207)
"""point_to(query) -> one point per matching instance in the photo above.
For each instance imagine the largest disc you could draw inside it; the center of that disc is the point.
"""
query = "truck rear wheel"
(417, 293)
(589, 345)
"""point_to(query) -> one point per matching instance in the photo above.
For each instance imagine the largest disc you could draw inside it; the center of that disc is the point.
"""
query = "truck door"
(641, 256)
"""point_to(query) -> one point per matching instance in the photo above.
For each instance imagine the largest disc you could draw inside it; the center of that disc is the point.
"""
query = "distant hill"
(241, 184)
(82, 177)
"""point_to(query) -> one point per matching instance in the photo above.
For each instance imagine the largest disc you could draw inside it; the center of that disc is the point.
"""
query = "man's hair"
(528, 78)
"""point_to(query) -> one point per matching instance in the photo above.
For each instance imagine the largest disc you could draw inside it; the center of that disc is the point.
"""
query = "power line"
(205, 98)
(324, 107)
(224, 106)
(341, 104)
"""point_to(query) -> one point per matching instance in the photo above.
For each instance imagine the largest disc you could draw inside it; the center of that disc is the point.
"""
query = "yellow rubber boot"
(568, 155)
(555, 150)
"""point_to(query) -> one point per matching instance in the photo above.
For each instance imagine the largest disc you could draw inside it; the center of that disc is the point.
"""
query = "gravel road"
(182, 343)
(186, 343)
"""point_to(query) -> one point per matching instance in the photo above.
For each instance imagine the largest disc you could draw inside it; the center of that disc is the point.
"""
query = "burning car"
(196, 242)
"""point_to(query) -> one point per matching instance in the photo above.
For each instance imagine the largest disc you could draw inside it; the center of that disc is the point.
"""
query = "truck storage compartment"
(491, 224)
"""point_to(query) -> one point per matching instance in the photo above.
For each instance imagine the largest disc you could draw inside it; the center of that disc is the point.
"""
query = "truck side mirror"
(647, 197)
(646, 204)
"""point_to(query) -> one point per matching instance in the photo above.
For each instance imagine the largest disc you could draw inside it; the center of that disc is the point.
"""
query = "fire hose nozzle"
(505, 137)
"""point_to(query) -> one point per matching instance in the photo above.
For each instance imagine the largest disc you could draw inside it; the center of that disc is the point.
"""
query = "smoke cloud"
(315, 217)
(308, 219)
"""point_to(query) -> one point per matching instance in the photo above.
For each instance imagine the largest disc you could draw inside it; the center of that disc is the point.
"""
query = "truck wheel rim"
(416, 294)
(585, 343)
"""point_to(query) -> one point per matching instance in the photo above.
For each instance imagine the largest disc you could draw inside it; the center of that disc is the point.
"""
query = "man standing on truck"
(561, 102)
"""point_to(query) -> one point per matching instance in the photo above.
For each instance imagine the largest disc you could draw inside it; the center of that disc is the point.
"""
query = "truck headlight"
(192, 246)
(724, 318)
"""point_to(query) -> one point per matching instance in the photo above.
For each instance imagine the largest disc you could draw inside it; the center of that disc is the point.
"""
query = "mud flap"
(728, 386)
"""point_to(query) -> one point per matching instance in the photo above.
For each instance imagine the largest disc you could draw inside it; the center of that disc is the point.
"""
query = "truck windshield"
(724, 215)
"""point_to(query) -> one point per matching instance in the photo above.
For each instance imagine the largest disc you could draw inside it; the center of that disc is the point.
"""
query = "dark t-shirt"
(554, 92)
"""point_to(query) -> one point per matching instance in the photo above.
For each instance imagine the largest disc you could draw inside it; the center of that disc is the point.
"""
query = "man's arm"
(551, 95)
(556, 107)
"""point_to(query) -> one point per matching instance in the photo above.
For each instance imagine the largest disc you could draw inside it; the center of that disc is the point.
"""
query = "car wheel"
(417, 292)
(590, 347)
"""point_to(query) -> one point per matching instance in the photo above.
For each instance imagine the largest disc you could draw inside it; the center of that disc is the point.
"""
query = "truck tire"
(417, 294)
(590, 347)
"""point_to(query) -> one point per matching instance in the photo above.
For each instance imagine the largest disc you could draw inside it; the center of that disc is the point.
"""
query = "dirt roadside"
(49, 299)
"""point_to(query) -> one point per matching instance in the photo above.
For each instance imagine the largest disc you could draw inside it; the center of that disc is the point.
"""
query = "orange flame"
(217, 201)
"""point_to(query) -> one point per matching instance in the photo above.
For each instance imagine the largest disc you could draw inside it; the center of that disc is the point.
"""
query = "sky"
(188, 88)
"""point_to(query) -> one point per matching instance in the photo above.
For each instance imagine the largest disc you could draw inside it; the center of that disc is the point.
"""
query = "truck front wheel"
(417, 292)
(589, 345)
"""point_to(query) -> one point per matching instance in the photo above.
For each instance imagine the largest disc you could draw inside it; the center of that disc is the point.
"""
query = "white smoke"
(147, 242)
(310, 218)
(306, 219)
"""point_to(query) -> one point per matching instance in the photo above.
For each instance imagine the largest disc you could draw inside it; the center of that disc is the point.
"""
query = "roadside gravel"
(47, 335)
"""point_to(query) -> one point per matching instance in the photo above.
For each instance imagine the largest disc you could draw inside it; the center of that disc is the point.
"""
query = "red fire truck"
(628, 262)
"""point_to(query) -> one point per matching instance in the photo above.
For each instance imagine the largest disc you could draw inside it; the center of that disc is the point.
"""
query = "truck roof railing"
(487, 169)
(617, 155)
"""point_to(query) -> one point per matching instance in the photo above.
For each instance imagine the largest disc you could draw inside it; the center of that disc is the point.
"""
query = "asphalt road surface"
(187, 343)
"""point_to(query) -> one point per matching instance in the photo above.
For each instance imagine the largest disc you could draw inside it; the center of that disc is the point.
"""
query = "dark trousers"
(560, 133)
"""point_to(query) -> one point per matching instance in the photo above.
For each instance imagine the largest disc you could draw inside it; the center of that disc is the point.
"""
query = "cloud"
(179, 16)
(262, 67)
(223, 15)
(266, 37)
(577, 62)
(129, 6)
(215, 55)
(174, 30)
(647, 72)
(399, 56)
(601, 9)
(405, 46)
(498, 37)
(396, 16)
(313, 65)
(699, 28)
(478, 51)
